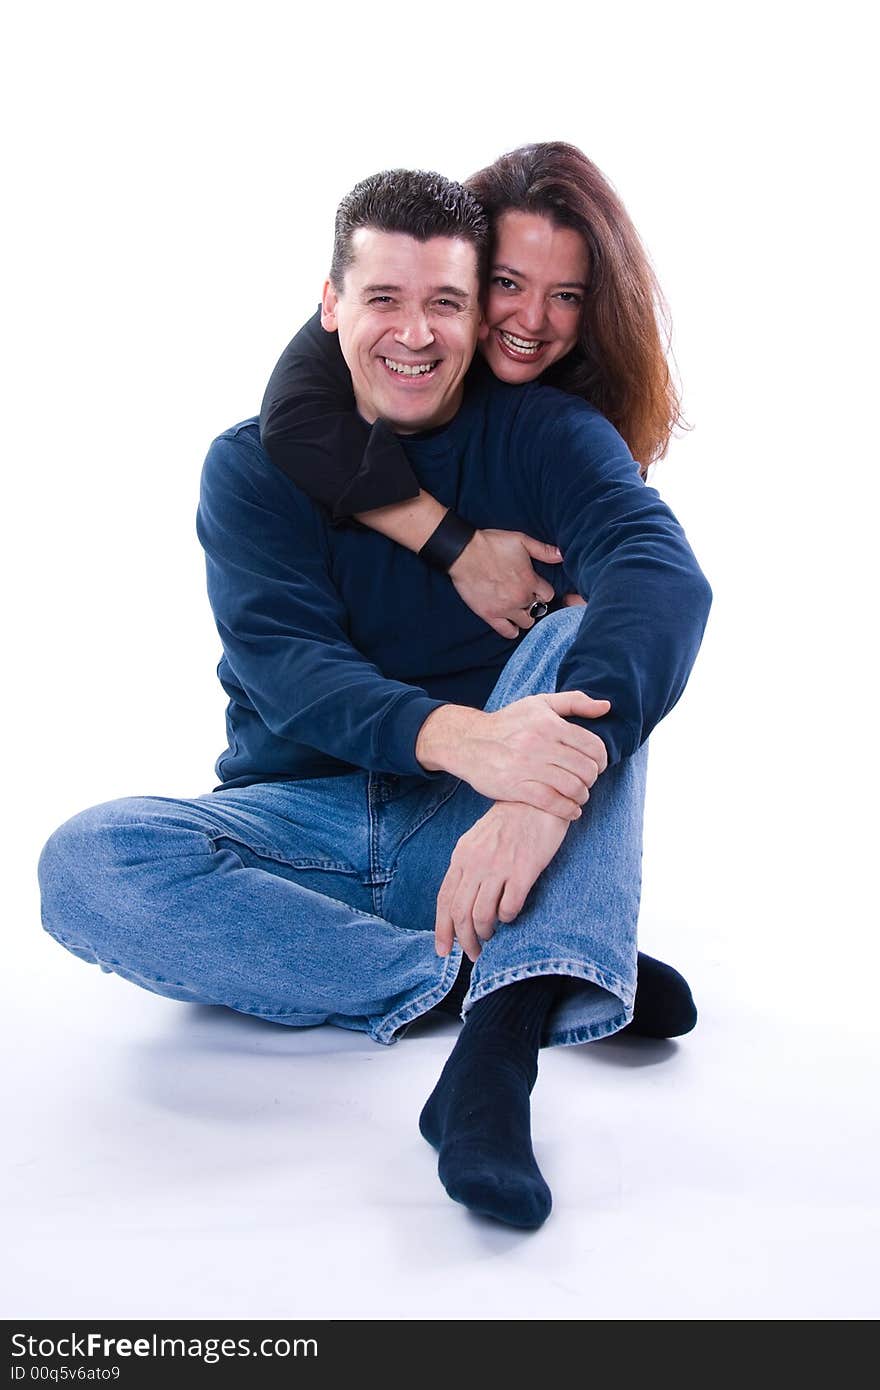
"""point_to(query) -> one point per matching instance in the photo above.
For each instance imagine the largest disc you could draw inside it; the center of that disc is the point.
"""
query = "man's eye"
(447, 304)
(380, 299)
(504, 282)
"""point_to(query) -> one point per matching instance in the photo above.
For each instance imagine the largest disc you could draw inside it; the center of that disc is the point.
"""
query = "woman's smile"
(520, 349)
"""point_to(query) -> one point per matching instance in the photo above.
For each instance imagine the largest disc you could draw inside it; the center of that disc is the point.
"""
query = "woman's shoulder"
(545, 413)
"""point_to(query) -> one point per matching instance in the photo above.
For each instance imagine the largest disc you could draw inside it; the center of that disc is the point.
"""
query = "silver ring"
(538, 609)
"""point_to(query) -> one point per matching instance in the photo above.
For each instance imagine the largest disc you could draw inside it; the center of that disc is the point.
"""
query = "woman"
(572, 301)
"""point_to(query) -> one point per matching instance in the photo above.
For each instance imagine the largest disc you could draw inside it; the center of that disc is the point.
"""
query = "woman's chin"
(514, 373)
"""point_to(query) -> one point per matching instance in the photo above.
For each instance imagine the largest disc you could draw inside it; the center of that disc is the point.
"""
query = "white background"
(172, 175)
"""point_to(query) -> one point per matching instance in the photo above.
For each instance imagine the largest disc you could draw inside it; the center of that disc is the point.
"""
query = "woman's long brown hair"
(620, 363)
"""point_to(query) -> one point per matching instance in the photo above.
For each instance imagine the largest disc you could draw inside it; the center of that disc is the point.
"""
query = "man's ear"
(329, 300)
(483, 330)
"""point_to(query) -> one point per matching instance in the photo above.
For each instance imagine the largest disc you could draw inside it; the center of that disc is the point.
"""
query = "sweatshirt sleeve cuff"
(384, 477)
(620, 740)
(398, 732)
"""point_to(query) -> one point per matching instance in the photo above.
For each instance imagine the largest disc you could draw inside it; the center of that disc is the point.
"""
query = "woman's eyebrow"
(563, 284)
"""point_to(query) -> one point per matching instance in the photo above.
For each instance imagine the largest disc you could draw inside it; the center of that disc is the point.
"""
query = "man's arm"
(647, 598)
(283, 623)
(647, 605)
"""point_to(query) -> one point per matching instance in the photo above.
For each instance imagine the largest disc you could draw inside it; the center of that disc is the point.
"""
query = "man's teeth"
(419, 369)
(522, 344)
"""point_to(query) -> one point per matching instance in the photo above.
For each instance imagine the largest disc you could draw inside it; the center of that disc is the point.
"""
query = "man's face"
(408, 318)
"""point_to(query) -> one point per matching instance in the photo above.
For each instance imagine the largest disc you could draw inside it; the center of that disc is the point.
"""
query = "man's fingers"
(585, 743)
(444, 933)
(577, 702)
(485, 913)
(545, 798)
(570, 785)
(512, 901)
(462, 917)
(583, 767)
(444, 928)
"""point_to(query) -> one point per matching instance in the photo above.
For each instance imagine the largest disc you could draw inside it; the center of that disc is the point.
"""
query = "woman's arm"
(310, 428)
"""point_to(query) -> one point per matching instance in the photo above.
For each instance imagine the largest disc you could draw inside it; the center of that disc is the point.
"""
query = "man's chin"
(412, 418)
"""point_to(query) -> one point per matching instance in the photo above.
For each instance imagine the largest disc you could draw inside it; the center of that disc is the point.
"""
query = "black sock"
(664, 1006)
(478, 1113)
(453, 1001)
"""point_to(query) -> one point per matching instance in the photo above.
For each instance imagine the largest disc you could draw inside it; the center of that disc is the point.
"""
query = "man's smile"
(410, 371)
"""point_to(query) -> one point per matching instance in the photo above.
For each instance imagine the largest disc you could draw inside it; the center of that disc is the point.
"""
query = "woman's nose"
(532, 313)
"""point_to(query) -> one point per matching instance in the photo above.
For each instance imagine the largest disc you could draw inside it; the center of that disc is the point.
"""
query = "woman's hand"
(492, 869)
(493, 575)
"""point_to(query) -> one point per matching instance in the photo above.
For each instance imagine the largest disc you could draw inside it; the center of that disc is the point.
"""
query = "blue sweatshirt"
(338, 643)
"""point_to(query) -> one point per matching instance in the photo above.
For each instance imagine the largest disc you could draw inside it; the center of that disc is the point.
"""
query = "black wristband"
(443, 546)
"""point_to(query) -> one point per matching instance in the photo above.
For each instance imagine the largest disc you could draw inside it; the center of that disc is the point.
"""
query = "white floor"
(174, 1161)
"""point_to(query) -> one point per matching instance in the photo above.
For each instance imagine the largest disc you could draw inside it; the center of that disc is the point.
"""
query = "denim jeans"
(310, 902)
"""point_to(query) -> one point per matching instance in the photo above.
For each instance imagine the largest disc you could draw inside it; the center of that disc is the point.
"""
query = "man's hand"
(526, 751)
(493, 575)
(492, 869)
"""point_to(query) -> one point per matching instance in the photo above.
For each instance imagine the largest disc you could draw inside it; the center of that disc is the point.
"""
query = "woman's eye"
(504, 282)
(569, 297)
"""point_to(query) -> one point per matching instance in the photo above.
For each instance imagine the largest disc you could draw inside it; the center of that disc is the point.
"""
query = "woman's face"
(537, 283)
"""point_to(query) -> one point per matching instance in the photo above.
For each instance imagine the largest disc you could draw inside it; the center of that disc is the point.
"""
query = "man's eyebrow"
(395, 289)
(564, 284)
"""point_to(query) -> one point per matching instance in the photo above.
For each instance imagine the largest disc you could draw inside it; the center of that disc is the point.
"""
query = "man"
(391, 767)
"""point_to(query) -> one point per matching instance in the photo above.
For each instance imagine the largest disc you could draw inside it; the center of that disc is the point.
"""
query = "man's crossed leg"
(315, 901)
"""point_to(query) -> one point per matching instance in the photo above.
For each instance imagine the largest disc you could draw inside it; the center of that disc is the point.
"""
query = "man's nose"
(414, 332)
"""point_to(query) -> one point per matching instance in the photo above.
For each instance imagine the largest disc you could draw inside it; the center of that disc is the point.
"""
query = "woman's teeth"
(524, 345)
(405, 369)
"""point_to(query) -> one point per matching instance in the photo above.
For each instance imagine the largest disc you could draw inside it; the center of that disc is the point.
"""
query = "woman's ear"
(329, 300)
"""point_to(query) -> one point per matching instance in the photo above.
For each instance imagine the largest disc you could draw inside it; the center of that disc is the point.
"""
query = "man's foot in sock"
(478, 1115)
(664, 1006)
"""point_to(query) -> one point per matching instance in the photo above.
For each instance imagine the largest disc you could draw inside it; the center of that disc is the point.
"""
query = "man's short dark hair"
(414, 202)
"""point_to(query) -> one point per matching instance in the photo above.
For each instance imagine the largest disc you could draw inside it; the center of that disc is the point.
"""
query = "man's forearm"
(526, 751)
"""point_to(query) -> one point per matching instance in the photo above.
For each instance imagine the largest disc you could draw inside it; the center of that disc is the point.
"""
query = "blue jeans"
(313, 901)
